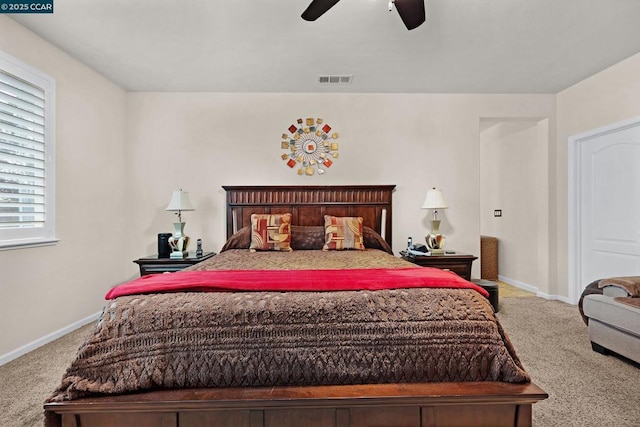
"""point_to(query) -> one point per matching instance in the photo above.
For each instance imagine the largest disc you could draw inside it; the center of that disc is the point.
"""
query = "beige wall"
(48, 288)
(200, 142)
(608, 97)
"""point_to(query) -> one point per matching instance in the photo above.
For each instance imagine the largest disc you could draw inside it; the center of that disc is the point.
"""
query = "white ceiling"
(466, 46)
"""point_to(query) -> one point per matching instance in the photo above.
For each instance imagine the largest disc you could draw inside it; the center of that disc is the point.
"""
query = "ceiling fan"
(411, 11)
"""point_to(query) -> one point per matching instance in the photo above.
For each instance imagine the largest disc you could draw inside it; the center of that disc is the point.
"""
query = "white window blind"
(26, 155)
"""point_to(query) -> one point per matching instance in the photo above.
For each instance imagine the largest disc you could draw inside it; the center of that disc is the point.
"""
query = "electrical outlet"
(497, 212)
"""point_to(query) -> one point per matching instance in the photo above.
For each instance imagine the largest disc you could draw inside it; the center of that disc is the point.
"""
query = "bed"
(427, 355)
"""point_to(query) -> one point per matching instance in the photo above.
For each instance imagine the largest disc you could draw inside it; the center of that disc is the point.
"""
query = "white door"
(609, 204)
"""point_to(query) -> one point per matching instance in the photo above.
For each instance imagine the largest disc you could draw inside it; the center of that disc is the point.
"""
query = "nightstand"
(457, 262)
(154, 265)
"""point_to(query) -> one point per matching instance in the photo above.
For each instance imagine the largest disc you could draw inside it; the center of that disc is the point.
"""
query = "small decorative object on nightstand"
(164, 250)
(199, 248)
(435, 239)
(179, 242)
(154, 264)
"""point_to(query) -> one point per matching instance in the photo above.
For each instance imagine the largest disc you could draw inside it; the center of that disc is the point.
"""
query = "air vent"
(335, 79)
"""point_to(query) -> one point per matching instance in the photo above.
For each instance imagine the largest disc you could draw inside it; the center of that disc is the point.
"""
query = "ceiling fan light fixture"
(317, 8)
(412, 12)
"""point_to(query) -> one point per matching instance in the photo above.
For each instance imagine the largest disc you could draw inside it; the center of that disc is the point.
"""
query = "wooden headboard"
(310, 203)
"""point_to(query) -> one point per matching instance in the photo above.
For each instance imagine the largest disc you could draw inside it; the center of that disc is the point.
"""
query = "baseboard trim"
(8, 357)
(533, 289)
(519, 285)
(555, 297)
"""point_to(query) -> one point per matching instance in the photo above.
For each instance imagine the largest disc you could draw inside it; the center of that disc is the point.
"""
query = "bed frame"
(494, 404)
(309, 204)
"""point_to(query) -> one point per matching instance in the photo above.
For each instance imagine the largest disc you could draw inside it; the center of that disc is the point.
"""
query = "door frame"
(574, 239)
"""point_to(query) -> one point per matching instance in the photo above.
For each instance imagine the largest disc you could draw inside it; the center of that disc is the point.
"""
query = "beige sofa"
(614, 325)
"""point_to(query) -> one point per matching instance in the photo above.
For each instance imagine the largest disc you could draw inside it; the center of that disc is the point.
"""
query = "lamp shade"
(434, 200)
(180, 202)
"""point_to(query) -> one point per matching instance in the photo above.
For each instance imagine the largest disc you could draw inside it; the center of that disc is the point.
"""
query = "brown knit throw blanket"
(632, 301)
(250, 339)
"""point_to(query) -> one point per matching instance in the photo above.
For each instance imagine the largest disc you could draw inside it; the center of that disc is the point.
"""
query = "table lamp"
(435, 239)
(179, 241)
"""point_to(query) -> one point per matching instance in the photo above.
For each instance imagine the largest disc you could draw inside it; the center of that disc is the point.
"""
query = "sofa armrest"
(615, 291)
(630, 285)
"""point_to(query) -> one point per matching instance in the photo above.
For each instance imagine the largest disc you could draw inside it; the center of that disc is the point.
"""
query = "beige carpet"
(28, 380)
(586, 389)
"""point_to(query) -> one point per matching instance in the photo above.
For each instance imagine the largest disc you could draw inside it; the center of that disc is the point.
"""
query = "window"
(27, 162)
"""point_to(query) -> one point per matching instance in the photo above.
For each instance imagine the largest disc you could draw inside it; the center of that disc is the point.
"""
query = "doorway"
(514, 198)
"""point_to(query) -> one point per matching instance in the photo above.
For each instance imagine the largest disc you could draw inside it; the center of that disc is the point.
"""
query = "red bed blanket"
(295, 280)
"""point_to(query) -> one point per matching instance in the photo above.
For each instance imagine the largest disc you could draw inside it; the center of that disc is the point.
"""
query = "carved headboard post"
(310, 203)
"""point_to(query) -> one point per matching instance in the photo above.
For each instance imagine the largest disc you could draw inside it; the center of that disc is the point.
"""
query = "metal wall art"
(310, 147)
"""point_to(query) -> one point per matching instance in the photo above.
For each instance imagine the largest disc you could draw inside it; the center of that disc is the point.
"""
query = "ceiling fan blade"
(317, 8)
(411, 12)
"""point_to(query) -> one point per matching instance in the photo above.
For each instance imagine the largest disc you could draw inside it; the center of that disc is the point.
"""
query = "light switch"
(497, 212)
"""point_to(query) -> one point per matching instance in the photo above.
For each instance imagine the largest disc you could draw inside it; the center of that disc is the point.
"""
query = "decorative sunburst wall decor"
(309, 146)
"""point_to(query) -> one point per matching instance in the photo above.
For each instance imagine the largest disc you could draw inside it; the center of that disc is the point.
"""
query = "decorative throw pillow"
(270, 232)
(342, 232)
(373, 240)
(307, 237)
(241, 239)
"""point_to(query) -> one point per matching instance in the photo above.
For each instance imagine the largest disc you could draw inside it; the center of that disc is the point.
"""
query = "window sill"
(24, 244)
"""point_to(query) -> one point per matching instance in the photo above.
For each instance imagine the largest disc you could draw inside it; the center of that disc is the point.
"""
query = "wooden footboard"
(491, 404)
